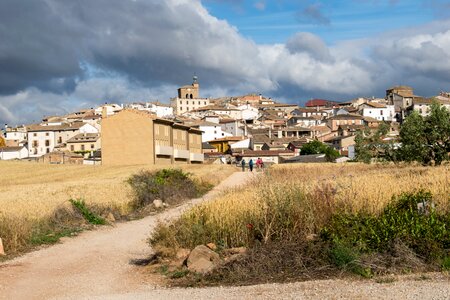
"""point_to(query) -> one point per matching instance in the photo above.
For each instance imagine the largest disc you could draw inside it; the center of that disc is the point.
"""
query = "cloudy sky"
(57, 56)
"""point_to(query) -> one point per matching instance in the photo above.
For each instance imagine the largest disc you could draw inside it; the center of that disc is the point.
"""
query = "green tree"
(426, 140)
(369, 144)
(2, 142)
(316, 147)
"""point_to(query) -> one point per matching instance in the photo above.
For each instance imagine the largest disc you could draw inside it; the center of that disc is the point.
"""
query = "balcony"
(164, 150)
(178, 153)
(198, 157)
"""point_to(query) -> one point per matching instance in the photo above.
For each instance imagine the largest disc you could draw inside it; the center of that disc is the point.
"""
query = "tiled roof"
(84, 138)
(63, 127)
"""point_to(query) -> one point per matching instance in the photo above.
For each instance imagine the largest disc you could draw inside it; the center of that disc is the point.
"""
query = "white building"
(111, 109)
(43, 139)
(378, 111)
(159, 109)
(8, 153)
(248, 112)
(232, 126)
(210, 131)
(16, 136)
(423, 106)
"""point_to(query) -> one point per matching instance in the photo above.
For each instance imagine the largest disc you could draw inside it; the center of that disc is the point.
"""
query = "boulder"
(2, 250)
(157, 203)
(212, 246)
(202, 260)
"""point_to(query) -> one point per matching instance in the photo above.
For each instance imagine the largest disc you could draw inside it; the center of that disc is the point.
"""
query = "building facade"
(133, 137)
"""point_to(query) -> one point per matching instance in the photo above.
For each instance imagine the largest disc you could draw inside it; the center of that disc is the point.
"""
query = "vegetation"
(320, 221)
(34, 206)
(168, 185)
(424, 140)
(316, 147)
(370, 145)
(91, 217)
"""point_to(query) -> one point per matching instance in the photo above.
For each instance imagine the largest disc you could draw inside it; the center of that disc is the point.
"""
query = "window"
(187, 96)
(35, 134)
(60, 140)
(381, 112)
(92, 146)
(48, 150)
(204, 102)
(47, 143)
(72, 148)
(46, 134)
(82, 147)
(35, 144)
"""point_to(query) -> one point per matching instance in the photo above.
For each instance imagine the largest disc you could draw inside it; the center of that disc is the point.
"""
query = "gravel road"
(95, 265)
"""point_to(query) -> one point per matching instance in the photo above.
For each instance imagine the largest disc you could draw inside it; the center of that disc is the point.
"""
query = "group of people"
(259, 164)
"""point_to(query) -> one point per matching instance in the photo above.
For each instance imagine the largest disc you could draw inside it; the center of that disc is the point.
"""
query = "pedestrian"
(250, 165)
(243, 165)
(258, 163)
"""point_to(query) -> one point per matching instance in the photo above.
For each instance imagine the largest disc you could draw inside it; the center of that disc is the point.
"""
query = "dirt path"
(95, 265)
(95, 262)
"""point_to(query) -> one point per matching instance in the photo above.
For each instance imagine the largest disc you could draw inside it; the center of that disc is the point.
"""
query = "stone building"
(133, 137)
(189, 98)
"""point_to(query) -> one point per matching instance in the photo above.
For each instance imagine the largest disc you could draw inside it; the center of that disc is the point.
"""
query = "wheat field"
(31, 192)
(297, 200)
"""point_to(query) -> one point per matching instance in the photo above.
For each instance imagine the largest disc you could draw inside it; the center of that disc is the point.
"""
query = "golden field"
(291, 201)
(31, 192)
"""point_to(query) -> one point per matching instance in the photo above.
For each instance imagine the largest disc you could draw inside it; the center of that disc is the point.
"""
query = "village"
(192, 129)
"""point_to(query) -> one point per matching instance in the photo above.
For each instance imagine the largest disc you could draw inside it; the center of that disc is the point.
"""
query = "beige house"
(84, 143)
(133, 137)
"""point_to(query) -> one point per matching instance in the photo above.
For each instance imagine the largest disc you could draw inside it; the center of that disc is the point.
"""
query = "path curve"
(95, 262)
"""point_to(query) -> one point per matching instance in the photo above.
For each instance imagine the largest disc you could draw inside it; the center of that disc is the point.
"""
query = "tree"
(370, 144)
(316, 147)
(2, 142)
(426, 140)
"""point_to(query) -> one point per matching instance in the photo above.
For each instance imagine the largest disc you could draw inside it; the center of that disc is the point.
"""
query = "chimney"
(104, 112)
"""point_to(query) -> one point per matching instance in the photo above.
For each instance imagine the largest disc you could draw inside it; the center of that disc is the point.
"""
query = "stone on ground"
(202, 259)
(158, 203)
(2, 250)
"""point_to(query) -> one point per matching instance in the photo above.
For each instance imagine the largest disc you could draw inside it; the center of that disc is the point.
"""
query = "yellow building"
(133, 137)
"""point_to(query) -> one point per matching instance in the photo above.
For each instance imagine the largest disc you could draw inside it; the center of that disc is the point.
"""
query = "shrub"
(89, 216)
(169, 185)
(425, 232)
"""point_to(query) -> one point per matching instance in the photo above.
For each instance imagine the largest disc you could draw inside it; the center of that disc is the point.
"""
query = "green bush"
(169, 185)
(91, 217)
(426, 232)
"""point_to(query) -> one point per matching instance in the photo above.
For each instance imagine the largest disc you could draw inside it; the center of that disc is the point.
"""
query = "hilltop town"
(192, 129)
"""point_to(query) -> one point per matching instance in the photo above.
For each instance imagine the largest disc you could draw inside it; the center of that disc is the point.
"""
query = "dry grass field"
(30, 193)
(299, 199)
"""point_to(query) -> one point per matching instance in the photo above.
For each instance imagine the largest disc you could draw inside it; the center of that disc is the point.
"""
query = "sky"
(58, 56)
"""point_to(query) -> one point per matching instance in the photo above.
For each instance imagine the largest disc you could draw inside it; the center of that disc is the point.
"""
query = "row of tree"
(422, 139)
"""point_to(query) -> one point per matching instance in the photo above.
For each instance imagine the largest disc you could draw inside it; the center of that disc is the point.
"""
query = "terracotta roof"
(346, 117)
(84, 138)
(63, 127)
(11, 149)
(375, 104)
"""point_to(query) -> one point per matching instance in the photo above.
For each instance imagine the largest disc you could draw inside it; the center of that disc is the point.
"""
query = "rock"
(212, 246)
(202, 260)
(233, 251)
(2, 250)
(110, 217)
(183, 253)
(158, 203)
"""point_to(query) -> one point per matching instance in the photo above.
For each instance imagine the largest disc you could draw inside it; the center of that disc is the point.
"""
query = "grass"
(292, 202)
(34, 195)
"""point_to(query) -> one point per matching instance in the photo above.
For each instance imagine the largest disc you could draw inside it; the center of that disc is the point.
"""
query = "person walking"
(250, 165)
(243, 165)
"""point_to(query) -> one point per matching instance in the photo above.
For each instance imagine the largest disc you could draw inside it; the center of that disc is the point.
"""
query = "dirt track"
(95, 265)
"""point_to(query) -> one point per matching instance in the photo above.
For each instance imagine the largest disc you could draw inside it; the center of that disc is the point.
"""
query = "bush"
(426, 232)
(169, 185)
(89, 216)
